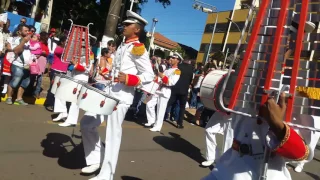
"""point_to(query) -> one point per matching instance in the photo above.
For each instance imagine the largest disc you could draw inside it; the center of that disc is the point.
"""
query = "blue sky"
(179, 21)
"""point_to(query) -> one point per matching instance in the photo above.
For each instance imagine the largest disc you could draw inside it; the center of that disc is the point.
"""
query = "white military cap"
(134, 18)
(177, 55)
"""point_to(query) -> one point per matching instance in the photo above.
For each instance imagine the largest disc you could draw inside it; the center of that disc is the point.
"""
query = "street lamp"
(209, 9)
(154, 22)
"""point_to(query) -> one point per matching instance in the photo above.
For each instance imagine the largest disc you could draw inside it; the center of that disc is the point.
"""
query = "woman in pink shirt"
(57, 67)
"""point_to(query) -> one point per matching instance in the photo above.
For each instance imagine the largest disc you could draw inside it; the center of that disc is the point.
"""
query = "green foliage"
(87, 11)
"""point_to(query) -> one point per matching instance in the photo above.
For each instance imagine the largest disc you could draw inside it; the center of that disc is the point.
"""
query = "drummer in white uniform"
(131, 68)
(80, 72)
(167, 79)
(245, 158)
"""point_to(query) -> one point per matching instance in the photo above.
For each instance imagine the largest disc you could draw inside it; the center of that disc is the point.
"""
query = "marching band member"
(79, 72)
(216, 125)
(131, 68)
(245, 158)
(167, 79)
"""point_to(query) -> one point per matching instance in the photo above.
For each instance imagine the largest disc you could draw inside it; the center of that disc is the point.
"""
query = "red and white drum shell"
(96, 101)
(56, 83)
(150, 88)
(210, 90)
(69, 89)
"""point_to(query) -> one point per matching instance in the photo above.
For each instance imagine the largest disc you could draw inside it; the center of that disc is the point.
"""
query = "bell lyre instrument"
(266, 64)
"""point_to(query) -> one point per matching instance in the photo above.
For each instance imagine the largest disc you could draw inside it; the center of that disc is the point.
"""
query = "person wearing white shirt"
(19, 68)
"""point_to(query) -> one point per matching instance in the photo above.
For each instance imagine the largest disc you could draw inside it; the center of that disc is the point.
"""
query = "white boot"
(148, 124)
(60, 117)
(66, 124)
(207, 163)
(5, 88)
(94, 178)
(90, 169)
(155, 129)
(298, 168)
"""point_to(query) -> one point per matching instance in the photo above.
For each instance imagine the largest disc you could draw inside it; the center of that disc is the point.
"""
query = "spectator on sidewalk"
(5, 64)
(41, 62)
(20, 66)
(52, 44)
(58, 67)
(198, 77)
(23, 21)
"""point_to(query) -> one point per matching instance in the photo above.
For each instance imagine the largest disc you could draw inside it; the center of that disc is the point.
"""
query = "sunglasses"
(23, 22)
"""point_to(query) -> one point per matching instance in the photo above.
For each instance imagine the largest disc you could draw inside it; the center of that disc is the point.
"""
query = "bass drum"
(210, 90)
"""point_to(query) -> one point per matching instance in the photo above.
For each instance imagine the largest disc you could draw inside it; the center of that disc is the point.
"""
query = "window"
(223, 27)
(214, 47)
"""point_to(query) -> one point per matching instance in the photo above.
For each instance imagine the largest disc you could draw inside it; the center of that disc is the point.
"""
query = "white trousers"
(60, 106)
(217, 125)
(92, 141)
(161, 110)
(92, 145)
(151, 109)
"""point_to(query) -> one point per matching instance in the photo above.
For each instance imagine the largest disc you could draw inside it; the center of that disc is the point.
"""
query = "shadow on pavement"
(177, 144)
(314, 176)
(129, 178)
(55, 146)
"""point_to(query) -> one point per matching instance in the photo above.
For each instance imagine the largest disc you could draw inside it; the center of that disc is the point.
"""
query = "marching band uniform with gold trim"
(245, 158)
(133, 60)
(170, 78)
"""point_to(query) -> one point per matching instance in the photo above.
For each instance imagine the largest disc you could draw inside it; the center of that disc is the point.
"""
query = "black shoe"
(180, 126)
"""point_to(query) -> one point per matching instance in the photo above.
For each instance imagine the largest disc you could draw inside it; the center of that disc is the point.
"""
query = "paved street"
(34, 148)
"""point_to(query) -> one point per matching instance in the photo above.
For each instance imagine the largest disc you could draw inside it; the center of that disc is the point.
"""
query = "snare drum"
(69, 89)
(210, 90)
(56, 83)
(150, 88)
(95, 101)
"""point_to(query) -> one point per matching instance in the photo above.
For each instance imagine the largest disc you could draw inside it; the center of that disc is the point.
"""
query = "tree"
(86, 11)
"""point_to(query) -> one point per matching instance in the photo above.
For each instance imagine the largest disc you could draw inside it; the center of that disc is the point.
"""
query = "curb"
(29, 100)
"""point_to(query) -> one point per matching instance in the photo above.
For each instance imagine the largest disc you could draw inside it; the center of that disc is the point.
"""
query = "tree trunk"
(34, 9)
(112, 21)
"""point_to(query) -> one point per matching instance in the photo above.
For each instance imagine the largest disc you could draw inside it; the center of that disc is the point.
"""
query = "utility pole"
(46, 18)
(111, 22)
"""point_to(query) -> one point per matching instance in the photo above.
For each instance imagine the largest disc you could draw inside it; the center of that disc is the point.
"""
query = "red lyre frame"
(276, 46)
(69, 44)
(248, 53)
(79, 45)
(75, 43)
(296, 62)
(87, 45)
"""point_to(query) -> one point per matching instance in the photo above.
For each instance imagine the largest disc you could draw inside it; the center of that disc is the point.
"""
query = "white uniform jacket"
(132, 59)
(234, 166)
(171, 77)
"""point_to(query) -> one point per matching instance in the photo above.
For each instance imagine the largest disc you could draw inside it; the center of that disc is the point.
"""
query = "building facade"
(227, 34)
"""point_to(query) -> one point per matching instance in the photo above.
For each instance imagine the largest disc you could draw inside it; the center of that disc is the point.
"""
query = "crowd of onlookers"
(26, 57)
(193, 101)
